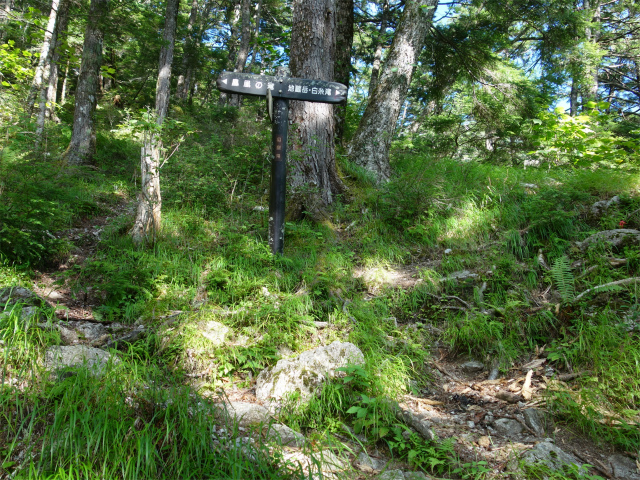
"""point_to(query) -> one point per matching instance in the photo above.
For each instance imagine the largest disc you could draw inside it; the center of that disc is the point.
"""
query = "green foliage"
(583, 140)
(563, 277)
(435, 457)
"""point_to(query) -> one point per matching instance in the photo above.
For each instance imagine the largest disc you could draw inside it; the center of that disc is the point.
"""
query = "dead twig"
(625, 281)
(450, 297)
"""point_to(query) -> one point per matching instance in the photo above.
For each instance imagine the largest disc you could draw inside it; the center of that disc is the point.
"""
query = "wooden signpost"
(279, 90)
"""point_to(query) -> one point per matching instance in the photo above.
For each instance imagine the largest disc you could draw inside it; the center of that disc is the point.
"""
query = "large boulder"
(549, 455)
(304, 374)
(24, 296)
(94, 359)
(245, 413)
(618, 239)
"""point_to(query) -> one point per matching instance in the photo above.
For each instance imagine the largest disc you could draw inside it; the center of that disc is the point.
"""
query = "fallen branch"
(508, 396)
(625, 281)
(566, 377)
(451, 297)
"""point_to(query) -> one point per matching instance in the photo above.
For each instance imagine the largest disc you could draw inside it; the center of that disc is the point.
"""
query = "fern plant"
(563, 278)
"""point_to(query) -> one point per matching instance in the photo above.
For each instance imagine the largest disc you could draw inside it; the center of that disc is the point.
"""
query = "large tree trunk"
(344, 43)
(148, 216)
(592, 35)
(313, 179)
(82, 145)
(243, 49)
(372, 141)
(40, 78)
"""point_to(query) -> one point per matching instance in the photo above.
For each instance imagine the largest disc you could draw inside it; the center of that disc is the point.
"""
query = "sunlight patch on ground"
(470, 222)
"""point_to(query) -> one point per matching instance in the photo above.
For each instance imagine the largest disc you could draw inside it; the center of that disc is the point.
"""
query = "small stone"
(461, 275)
(415, 476)
(245, 413)
(215, 332)
(285, 436)
(370, 464)
(330, 461)
(422, 426)
(508, 427)
(484, 441)
(68, 336)
(471, 424)
(448, 251)
(392, 475)
(472, 366)
(534, 421)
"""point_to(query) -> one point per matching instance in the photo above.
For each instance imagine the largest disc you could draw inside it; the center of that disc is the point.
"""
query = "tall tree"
(54, 73)
(82, 145)
(40, 78)
(188, 57)
(344, 44)
(380, 42)
(148, 216)
(243, 48)
(313, 179)
(370, 145)
(48, 72)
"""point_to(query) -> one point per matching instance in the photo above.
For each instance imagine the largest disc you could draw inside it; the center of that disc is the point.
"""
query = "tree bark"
(243, 48)
(344, 43)
(182, 89)
(54, 74)
(256, 33)
(40, 78)
(372, 141)
(148, 217)
(82, 146)
(232, 45)
(313, 179)
(380, 41)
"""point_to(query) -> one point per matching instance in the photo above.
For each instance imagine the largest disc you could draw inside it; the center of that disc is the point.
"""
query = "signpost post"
(279, 90)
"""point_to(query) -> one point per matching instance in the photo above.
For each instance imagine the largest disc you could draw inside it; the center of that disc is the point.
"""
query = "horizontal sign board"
(286, 87)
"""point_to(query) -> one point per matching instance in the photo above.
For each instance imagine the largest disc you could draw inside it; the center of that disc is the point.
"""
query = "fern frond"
(563, 278)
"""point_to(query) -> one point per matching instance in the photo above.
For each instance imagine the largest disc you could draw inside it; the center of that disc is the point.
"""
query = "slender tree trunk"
(380, 41)
(148, 217)
(39, 80)
(256, 34)
(63, 90)
(344, 44)
(592, 34)
(372, 141)
(233, 46)
(243, 48)
(52, 91)
(5, 11)
(83, 142)
(182, 89)
(573, 98)
(313, 179)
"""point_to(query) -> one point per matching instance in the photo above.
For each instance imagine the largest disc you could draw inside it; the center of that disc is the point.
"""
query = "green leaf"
(353, 409)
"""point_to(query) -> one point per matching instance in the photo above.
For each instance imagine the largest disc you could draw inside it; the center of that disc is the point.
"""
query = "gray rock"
(27, 313)
(472, 366)
(215, 332)
(508, 427)
(618, 239)
(460, 275)
(304, 374)
(13, 295)
(624, 467)
(285, 436)
(245, 413)
(88, 330)
(68, 336)
(370, 464)
(331, 462)
(415, 476)
(392, 475)
(550, 455)
(421, 425)
(535, 421)
(599, 208)
(123, 339)
(78, 356)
